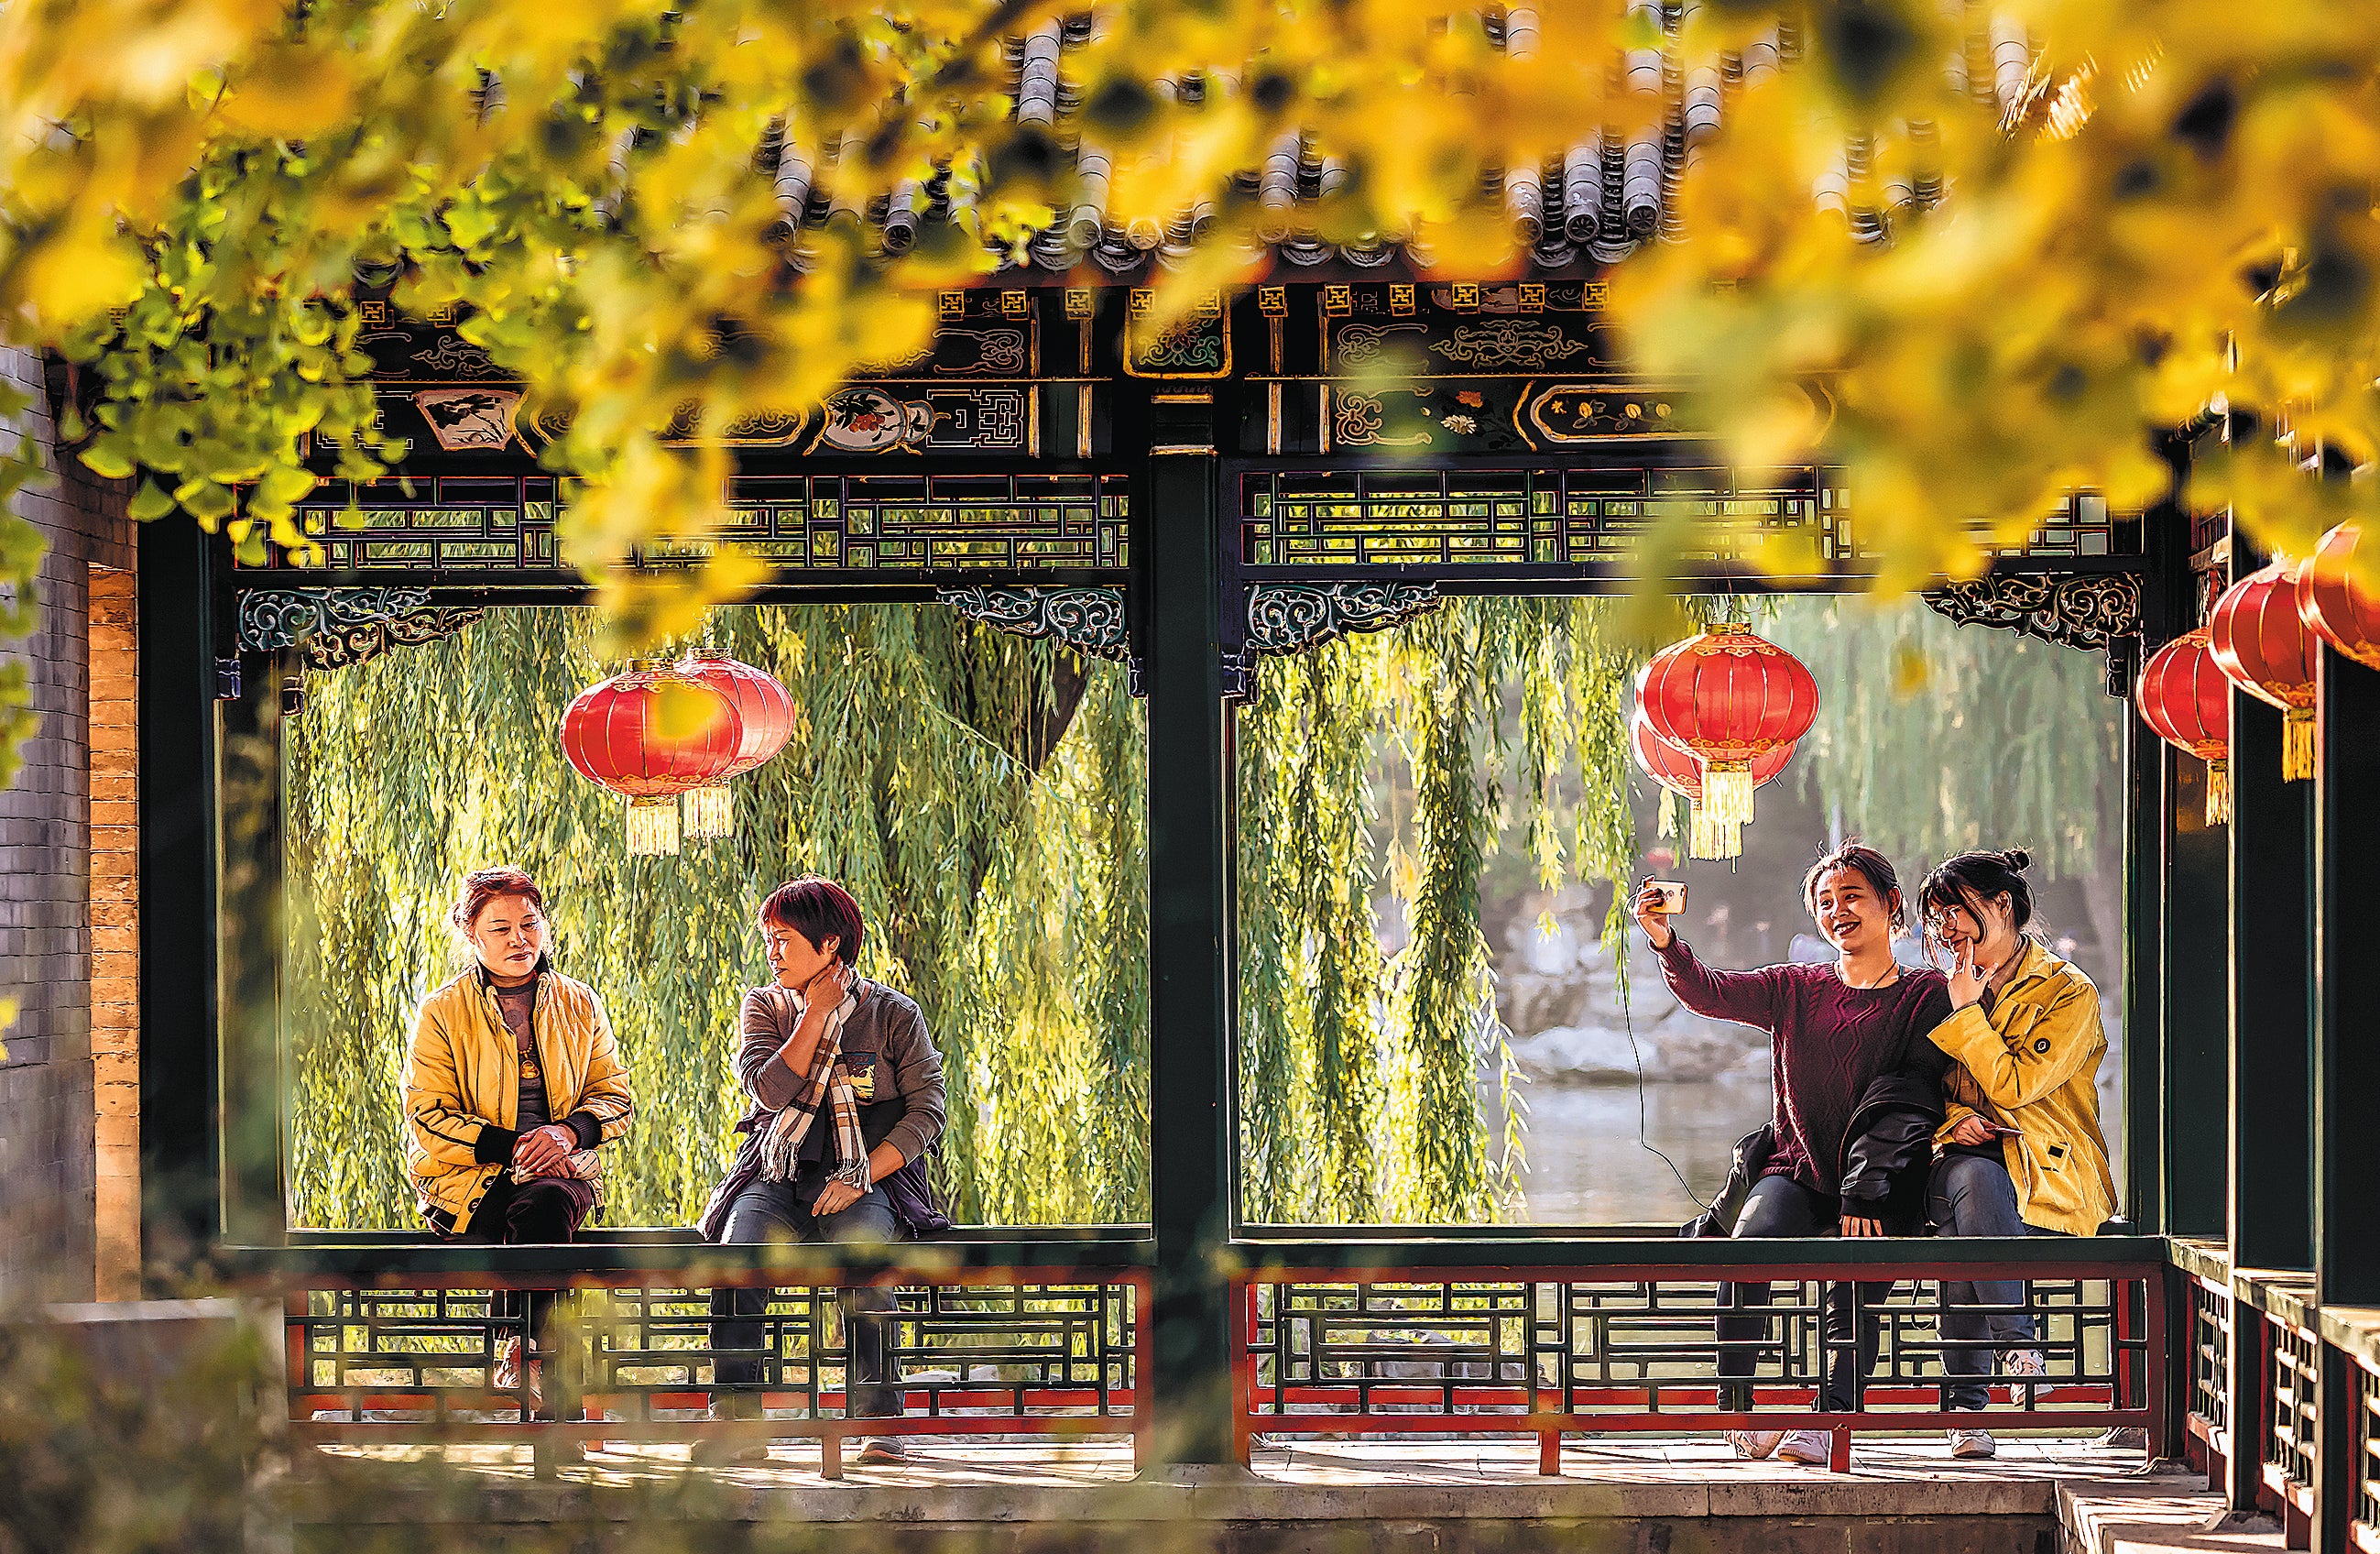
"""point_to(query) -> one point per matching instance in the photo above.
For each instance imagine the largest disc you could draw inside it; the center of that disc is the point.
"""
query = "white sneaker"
(885, 1452)
(1755, 1444)
(1973, 1443)
(2024, 1363)
(1807, 1446)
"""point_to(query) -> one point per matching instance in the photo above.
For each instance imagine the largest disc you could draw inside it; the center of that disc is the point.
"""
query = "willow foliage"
(2011, 748)
(1010, 903)
(1383, 768)
(983, 797)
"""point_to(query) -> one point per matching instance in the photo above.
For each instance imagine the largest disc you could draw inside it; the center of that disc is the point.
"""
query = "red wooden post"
(1144, 1331)
(1242, 1330)
(2157, 1289)
(298, 1377)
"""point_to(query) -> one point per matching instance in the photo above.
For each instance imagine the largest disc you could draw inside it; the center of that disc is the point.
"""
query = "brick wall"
(47, 1164)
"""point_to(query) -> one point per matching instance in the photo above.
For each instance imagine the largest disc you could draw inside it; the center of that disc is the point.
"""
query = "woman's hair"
(1977, 877)
(1871, 865)
(818, 910)
(484, 885)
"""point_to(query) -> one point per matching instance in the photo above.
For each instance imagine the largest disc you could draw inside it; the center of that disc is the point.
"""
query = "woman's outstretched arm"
(1750, 997)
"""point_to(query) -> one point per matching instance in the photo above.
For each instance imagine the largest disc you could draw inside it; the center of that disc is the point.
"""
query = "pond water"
(1586, 1166)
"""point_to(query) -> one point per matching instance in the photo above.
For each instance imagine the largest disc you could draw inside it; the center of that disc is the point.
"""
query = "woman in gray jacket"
(846, 1097)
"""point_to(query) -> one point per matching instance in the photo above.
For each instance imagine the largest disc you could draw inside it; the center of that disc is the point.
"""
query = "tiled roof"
(1592, 206)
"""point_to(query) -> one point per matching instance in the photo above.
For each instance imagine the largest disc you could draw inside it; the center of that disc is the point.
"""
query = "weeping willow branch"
(1010, 901)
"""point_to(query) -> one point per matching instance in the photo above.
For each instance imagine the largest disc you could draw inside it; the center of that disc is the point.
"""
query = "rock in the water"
(1671, 1050)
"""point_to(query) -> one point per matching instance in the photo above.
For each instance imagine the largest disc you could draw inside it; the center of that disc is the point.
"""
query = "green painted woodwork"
(2272, 970)
(2196, 950)
(248, 947)
(180, 568)
(1191, 1104)
(2346, 996)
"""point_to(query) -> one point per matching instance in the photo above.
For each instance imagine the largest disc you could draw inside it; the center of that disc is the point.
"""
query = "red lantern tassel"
(2219, 793)
(1726, 792)
(1709, 837)
(2296, 745)
(653, 827)
(711, 810)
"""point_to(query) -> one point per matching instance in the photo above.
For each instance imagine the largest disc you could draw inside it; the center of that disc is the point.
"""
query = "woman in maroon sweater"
(1858, 1094)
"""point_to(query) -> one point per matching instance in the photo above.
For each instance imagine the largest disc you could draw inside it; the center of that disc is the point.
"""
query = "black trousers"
(513, 1213)
(767, 1211)
(1777, 1205)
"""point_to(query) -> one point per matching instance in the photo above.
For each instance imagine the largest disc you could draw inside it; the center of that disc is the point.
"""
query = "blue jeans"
(1972, 1194)
(768, 1211)
(1780, 1206)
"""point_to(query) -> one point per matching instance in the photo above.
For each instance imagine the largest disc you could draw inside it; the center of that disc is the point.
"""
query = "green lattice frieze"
(799, 522)
(1583, 518)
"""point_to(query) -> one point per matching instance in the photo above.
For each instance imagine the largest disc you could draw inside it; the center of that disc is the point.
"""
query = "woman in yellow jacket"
(511, 1084)
(2020, 1150)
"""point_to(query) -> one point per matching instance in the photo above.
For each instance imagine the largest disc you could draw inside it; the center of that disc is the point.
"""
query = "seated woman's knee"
(869, 1220)
(1774, 1206)
(755, 1224)
(1970, 1183)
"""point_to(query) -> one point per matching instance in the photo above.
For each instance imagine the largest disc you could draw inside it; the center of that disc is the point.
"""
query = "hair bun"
(2017, 859)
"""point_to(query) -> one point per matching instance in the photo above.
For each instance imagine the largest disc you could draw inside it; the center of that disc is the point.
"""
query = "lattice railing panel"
(1621, 1348)
(2367, 1456)
(2293, 1446)
(1054, 1351)
(2210, 1350)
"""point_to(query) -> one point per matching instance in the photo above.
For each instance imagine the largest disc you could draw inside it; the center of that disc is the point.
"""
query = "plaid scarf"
(828, 1084)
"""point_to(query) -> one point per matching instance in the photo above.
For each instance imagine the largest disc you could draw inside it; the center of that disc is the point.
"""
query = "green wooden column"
(2196, 1009)
(2272, 997)
(2166, 605)
(2148, 784)
(180, 570)
(2193, 917)
(2271, 1182)
(2347, 1060)
(1190, 932)
(247, 946)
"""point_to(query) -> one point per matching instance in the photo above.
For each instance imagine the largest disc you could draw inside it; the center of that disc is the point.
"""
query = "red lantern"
(2262, 647)
(1728, 699)
(1676, 770)
(2186, 699)
(614, 735)
(768, 716)
(2335, 603)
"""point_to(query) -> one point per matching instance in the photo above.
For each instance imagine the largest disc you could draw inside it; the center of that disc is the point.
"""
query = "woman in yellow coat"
(2020, 1152)
(512, 1085)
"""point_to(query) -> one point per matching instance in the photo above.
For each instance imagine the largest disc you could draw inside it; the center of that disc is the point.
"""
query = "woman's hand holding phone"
(1652, 913)
(1974, 1129)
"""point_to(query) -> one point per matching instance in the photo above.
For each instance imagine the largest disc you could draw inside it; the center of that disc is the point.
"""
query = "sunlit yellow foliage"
(2003, 250)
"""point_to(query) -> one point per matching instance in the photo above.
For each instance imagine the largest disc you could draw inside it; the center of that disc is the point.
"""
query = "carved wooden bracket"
(335, 627)
(2100, 611)
(1285, 618)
